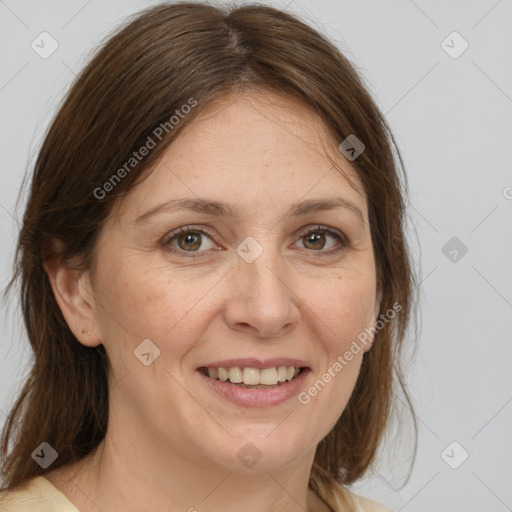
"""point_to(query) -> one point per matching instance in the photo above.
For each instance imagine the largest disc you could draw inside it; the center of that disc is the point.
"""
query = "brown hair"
(141, 75)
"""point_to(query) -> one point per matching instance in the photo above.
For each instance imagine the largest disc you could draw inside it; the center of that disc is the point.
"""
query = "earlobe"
(73, 293)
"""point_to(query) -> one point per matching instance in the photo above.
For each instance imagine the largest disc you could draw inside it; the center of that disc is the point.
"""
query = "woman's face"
(246, 283)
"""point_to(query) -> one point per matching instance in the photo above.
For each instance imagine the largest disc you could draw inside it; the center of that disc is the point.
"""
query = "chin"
(260, 451)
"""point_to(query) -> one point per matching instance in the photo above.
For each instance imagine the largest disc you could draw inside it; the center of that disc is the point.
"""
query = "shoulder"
(36, 492)
(367, 505)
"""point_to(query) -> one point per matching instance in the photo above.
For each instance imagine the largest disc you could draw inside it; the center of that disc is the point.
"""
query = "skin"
(172, 443)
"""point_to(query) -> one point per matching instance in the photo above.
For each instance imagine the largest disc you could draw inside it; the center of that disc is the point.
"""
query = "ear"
(74, 295)
(377, 304)
(371, 333)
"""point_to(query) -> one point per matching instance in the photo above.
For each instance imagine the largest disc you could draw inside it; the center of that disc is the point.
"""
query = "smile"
(255, 394)
(253, 378)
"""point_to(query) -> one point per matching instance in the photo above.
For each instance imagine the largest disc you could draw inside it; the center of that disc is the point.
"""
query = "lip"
(257, 397)
(256, 363)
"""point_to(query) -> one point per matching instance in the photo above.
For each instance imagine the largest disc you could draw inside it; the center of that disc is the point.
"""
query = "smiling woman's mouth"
(247, 386)
(253, 378)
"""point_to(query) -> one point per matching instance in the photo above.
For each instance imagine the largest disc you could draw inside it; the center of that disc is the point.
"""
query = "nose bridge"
(261, 296)
(264, 276)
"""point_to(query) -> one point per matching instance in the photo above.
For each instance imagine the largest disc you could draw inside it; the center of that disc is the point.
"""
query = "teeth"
(251, 377)
(223, 374)
(268, 376)
(213, 373)
(254, 376)
(235, 375)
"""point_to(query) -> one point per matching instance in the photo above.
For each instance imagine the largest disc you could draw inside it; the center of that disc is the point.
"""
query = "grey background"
(452, 120)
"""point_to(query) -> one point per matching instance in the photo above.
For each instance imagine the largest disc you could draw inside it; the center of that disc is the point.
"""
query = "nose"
(261, 298)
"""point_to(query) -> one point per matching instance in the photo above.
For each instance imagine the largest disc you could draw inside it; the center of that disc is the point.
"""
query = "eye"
(188, 239)
(317, 237)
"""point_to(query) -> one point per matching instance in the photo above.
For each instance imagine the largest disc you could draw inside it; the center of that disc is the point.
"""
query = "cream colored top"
(40, 495)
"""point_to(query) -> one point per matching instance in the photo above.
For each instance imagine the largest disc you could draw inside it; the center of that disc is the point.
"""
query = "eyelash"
(166, 242)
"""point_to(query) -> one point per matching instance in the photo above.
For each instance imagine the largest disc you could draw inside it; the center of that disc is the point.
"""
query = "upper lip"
(252, 362)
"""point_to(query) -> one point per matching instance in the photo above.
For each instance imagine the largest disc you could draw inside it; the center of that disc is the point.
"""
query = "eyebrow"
(215, 208)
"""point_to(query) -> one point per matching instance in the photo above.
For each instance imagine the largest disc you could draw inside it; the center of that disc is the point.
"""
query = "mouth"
(253, 378)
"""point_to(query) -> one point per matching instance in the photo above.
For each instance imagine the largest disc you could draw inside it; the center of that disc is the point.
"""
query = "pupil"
(190, 238)
(313, 238)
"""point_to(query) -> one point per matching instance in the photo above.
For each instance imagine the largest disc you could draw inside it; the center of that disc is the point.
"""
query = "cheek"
(344, 309)
(155, 303)
(342, 313)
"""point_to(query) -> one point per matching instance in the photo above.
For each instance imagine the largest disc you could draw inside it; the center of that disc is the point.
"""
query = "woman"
(214, 275)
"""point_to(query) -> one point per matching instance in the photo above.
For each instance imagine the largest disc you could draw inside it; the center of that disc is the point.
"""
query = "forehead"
(263, 149)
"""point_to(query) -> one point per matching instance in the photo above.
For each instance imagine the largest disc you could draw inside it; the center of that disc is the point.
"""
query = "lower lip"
(257, 397)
